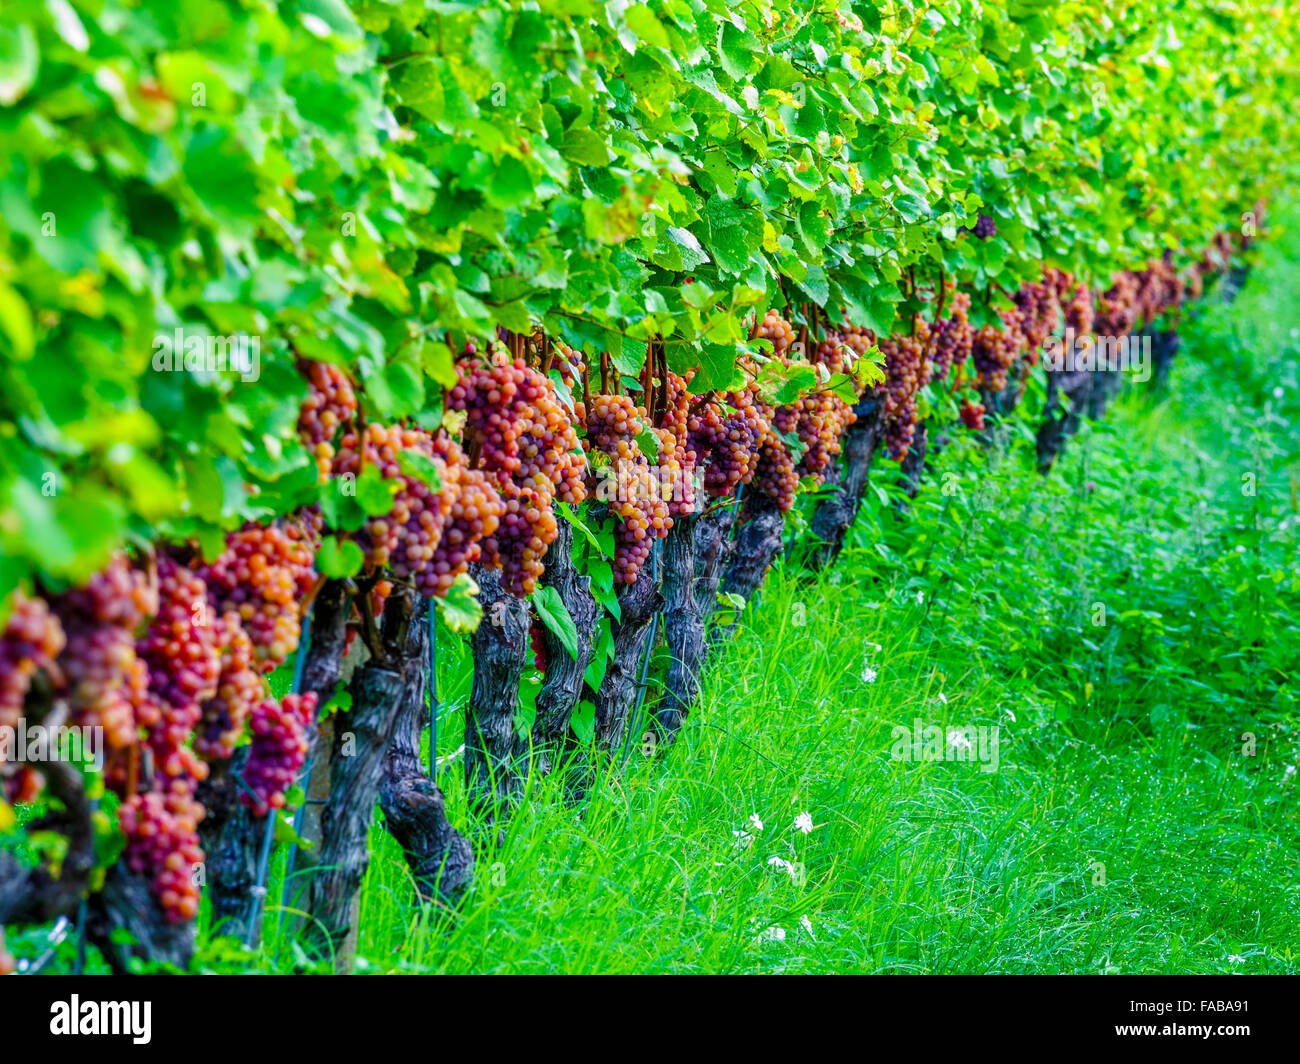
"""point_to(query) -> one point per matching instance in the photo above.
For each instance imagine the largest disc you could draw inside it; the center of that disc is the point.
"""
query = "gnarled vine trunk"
(440, 858)
(758, 542)
(846, 482)
(379, 690)
(638, 604)
(1067, 400)
(500, 646)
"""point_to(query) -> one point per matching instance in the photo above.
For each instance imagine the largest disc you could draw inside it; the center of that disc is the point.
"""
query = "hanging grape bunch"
(328, 410)
(262, 576)
(953, 337)
(520, 436)
(1040, 313)
(613, 424)
(907, 369)
(994, 352)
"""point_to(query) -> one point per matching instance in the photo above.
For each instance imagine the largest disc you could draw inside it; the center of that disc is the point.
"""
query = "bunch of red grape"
(519, 435)
(239, 688)
(1159, 289)
(972, 415)
(1117, 308)
(952, 337)
(907, 369)
(278, 750)
(330, 406)
(774, 472)
(263, 575)
(775, 328)
(30, 643)
(161, 827)
(474, 517)
(725, 441)
(106, 683)
(1076, 302)
(525, 529)
(516, 426)
(1040, 313)
(180, 647)
(678, 459)
(613, 424)
(994, 352)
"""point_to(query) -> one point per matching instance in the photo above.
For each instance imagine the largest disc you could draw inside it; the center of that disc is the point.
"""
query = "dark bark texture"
(914, 464)
(230, 837)
(360, 740)
(696, 554)
(1164, 349)
(836, 512)
(638, 604)
(35, 895)
(758, 542)
(440, 858)
(1105, 386)
(562, 687)
(126, 904)
(500, 650)
(1067, 400)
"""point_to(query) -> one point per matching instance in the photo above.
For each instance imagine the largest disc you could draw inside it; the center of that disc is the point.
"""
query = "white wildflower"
(958, 739)
(754, 822)
(943, 698)
(1236, 958)
(806, 924)
(781, 863)
(743, 840)
(772, 934)
(869, 674)
(803, 822)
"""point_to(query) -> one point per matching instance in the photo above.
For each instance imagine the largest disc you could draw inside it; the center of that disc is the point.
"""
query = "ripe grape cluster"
(994, 352)
(678, 459)
(1117, 308)
(985, 227)
(520, 436)
(330, 406)
(1076, 302)
(278, 750)
(239, 688)
(1040, 313)
(972, 415)
(263, 575)
(30, 643)
(774, 472)
(180, 648)
(162, 842)
(775, 328)
(106, 683)
(907, 369)
(613, 423)
(952, 337)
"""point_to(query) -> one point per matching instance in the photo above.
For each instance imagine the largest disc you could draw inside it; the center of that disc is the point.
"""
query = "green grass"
(1128, 827)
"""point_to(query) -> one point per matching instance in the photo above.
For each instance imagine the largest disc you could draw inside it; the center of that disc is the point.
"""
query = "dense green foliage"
(348, 184)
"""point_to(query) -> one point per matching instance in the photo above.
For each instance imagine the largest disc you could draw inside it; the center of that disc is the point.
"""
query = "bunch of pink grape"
(278, 750)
